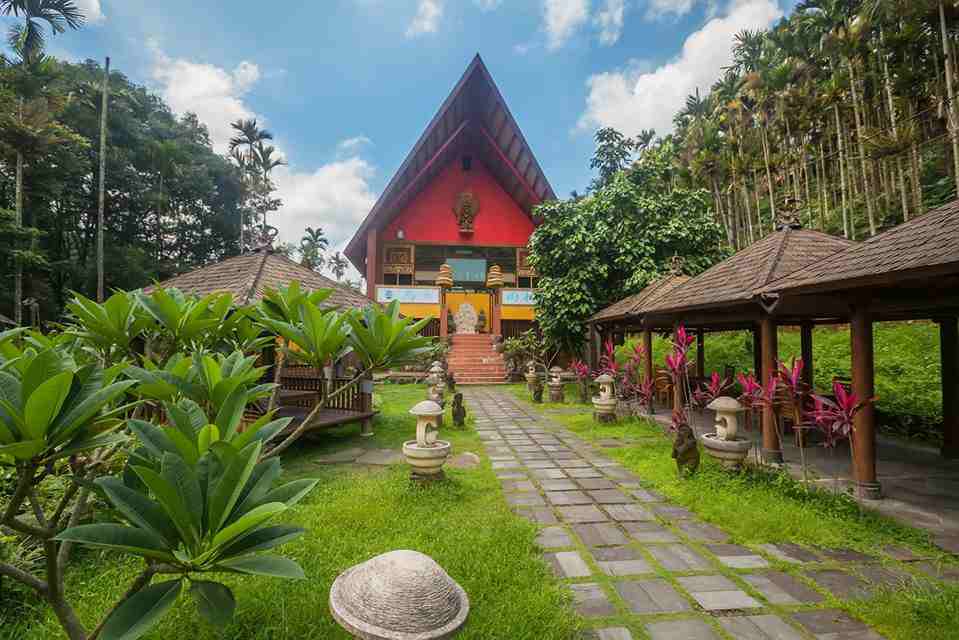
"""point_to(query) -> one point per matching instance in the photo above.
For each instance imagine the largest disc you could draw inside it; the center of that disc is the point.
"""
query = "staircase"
(473, 361)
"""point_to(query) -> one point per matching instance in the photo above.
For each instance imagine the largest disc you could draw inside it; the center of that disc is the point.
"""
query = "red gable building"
(463, 198)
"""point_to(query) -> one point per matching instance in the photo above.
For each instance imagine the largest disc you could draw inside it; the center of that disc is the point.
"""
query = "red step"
(473, 360)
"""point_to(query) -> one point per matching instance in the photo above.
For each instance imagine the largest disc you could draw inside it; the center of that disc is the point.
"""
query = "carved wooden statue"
(459, 410)
(686, 450)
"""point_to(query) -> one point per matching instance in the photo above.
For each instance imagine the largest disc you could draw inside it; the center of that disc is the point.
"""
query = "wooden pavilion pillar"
(700, 353)
(678, 392)
(863, 385)
(757, 354)
(444, 324)
(769, 352)
(949, 352)
(648, 361)
(496, 311)
(372, 262)
(805, 338)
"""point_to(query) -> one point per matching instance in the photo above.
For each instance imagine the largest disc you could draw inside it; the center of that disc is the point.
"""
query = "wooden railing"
(302, 378)
(431, 329)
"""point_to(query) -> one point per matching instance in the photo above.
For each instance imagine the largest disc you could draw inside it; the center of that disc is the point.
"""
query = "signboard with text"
(519, 297)
(468, 269)
(408, 295)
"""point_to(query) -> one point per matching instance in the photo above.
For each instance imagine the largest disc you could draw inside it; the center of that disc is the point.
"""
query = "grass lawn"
(758, 507)
(463, 524)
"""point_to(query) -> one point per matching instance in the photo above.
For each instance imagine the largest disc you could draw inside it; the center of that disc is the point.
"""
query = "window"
(398, 279)
(527, 282)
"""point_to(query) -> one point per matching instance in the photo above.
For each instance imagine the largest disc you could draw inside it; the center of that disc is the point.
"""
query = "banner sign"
(467, 269)
(408, 295)
(519, 297)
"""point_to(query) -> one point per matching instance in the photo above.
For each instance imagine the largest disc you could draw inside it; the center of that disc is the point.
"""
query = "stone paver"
(651, 596)
(782, 588)
(690, 629)
(589, 505)
(762, 627)
(717, 593)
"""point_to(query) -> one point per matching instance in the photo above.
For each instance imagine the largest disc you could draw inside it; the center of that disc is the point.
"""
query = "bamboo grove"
(843, 115)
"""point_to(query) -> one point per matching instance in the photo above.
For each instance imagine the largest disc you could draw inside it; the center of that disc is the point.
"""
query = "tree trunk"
(769, 180)
(101, 202)
(952, 120)
(860, 137)
(842, 172)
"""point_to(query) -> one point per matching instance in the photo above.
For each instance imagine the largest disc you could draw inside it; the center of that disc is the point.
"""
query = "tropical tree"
(338, 265)
(313, 246)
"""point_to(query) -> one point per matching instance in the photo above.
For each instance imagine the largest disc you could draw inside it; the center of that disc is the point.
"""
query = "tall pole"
(101, 295)
(949, 349)
(863, 437)
(18, 275)
(769, 350)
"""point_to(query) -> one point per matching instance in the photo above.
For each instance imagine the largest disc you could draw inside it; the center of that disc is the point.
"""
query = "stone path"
(628, 554)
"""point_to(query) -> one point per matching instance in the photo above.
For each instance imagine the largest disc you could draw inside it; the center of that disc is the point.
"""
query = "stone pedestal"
(556, 392)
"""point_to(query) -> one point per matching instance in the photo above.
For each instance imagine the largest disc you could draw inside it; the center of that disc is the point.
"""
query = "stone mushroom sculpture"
(725, 446)
(555, 384)
(427, 454)
(604, 405)
(400, 595)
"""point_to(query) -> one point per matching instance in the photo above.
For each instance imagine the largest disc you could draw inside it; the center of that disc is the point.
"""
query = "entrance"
(480, 299)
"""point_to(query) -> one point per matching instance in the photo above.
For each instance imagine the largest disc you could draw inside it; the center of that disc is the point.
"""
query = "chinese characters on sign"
(408, 295)
(519, 297)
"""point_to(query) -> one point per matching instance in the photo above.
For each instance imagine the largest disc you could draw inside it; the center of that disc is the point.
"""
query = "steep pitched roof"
(744, 274)
(248, 276)
(474, 117)
(930, 241)
(636, 303)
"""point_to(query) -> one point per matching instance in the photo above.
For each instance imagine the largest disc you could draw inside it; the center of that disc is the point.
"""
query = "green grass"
(758, 507)
(463, 523)
(908, 370)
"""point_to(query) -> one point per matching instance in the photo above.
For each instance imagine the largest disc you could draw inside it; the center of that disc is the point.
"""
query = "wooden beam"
(805, 340)
(863, 385)
(372, 258)
(949, 351)
(648, 361)
(769, 348)
(535, 198)
(700, 353)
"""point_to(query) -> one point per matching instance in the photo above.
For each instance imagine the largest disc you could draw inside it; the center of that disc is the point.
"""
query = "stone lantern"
(435, 383)
(728, 448)
(604, 405)
(531, 375)
(400, 595)
(427, 454)
(555, 384)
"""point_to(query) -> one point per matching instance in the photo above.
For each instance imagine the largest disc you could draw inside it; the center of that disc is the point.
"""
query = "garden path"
(630, 557)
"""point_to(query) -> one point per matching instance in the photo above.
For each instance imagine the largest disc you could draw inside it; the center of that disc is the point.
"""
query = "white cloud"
(427, 18)
(633, 99)
(352, 146)
(92, 10)
(562, 18)
(663, 8)
(214, 94)
(610, 21)
(335, 196)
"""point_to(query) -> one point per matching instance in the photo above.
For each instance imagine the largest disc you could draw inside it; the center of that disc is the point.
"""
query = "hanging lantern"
(445, 278)
(494, 279)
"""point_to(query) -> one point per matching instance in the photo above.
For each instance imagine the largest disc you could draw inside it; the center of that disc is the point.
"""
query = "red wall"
(430, 218)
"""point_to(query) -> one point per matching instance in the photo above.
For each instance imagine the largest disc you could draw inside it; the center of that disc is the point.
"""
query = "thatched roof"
(250, 275)
(635, 304)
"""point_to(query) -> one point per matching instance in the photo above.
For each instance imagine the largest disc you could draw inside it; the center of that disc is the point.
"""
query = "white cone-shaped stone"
(400, 595)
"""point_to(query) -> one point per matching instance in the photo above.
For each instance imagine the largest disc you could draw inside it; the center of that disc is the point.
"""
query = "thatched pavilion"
(806, 278)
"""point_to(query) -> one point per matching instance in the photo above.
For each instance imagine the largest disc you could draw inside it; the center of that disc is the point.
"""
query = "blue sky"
(347, 86)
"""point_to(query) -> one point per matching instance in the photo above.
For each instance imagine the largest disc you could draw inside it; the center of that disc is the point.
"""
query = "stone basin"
(427, 461)
(729, 453)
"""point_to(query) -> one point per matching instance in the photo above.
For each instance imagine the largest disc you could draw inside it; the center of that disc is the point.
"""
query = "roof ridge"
(774, 260)
(256, 277)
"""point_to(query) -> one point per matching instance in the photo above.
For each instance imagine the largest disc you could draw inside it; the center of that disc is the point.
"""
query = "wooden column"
(805, 338)
(648, 361)
(444, 325)
(769, 352)
(863, 385)
(949, 350)
(497, 313)
(678, 395)
(372, 260)
(700, 353)
(757, 354)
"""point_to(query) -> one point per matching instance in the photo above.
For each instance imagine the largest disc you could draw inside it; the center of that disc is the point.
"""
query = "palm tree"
(338, 265)
(312, 247)
(243, 149)
(28, 40)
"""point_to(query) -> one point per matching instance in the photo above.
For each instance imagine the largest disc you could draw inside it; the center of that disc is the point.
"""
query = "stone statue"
(450, 382)
(459, 411)
(538, 391)
(686, 450)
(466, 319)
